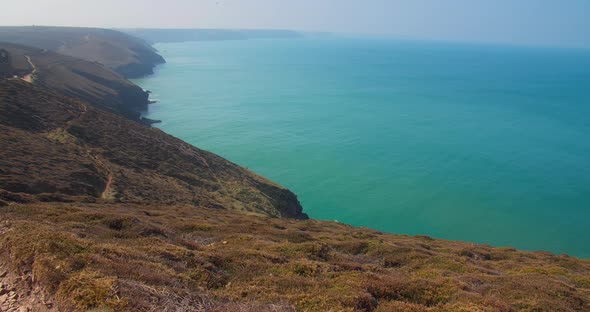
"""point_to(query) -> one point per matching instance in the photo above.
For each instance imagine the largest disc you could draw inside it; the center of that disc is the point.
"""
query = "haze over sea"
(488, 144)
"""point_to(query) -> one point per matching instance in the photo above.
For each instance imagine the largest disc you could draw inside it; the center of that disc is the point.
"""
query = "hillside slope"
(125, 54)
(58, 148)
(75, 257)
(78, 78)
(11, 66)
(98, 212)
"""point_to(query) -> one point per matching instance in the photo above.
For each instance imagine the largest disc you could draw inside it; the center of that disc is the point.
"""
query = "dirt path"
(83, 111)
(105, 193)
(29, 78)
(107, 187)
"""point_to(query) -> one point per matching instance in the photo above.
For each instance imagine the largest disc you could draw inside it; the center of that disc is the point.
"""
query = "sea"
(487, 144)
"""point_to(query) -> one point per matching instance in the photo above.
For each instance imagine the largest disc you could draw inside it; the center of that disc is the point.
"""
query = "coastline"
(101, 212)
(331, 208)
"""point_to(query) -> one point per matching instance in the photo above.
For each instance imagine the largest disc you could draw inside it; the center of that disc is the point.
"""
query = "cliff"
(58, 148)
(125, 54)
(100, 213)
(90, 82)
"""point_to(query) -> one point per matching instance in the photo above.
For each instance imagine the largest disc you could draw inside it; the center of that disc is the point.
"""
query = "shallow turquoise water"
(478, 143)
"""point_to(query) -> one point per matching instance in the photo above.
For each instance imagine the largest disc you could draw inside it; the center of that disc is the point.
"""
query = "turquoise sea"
(481, 143)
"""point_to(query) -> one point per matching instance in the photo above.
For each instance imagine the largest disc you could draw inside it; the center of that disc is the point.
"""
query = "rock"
(24, 309)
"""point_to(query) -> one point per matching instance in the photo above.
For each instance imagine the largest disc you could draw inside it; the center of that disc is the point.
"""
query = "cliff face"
(129, 56)
(61, 148)
(146, 59)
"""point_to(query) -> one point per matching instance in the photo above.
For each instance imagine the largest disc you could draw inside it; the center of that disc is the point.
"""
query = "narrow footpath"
(29, 78)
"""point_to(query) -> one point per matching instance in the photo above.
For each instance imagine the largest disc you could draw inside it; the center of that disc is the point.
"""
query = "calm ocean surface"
(486, 144)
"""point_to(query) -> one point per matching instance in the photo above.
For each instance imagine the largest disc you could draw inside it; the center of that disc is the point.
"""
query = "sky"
(562, 23)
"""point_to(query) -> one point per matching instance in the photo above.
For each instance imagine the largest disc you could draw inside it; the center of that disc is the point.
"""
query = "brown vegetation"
(185, 258)
(63, 150)
(90, 82)
(127, 55)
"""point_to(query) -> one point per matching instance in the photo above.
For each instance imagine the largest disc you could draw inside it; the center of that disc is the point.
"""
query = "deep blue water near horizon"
(486, 144)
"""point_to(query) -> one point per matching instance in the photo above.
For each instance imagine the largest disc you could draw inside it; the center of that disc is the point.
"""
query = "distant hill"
(125, 54)
(88, 81)
(180, 35)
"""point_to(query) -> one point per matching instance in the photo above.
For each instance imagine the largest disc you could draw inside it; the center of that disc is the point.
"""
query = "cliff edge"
(77, 78)
(100, 213)
(127, 55)
(56, 148)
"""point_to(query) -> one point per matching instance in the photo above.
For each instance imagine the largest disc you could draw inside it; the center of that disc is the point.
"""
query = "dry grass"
(158, 258)
(56, 145)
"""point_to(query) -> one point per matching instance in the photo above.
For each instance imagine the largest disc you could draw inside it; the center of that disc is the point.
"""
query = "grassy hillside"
(125, 54)
(181, 258)
(78, 78)
(63, 149)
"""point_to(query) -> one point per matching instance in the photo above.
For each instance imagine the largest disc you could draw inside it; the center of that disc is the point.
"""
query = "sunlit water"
(477, 143)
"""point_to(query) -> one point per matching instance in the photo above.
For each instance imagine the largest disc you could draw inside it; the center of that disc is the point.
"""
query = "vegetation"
(100, 213)
(124, 54)
(154, 257)
(59, 149)
(79, 79)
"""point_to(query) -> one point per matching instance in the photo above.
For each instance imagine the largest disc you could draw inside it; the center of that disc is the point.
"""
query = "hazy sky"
(544, 22)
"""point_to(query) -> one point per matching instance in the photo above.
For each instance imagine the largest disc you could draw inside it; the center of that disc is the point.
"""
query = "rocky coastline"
(101, 213)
